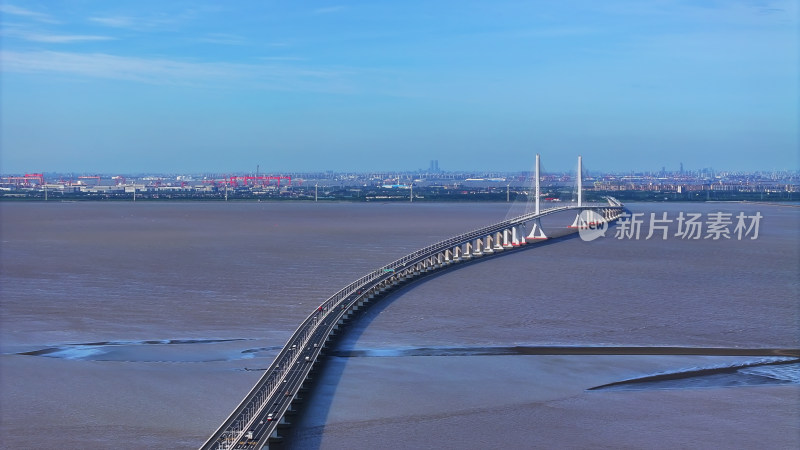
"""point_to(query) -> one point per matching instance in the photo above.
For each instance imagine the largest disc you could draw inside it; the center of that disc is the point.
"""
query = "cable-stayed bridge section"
(256, 420)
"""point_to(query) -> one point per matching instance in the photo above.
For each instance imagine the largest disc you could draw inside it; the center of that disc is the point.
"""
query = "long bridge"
(256, 420)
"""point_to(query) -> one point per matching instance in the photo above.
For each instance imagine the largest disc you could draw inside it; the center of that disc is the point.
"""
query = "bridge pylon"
(579, 221)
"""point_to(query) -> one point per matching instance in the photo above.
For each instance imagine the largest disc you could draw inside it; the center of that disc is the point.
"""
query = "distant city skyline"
(194, 87)
(671, 172)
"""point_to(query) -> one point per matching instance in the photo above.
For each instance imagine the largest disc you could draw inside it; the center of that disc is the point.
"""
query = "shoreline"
(397, 200)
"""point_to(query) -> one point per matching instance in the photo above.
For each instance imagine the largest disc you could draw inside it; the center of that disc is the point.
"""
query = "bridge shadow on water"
(305, 431)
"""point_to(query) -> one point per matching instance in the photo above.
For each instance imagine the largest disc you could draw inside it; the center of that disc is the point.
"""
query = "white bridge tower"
(537, 233)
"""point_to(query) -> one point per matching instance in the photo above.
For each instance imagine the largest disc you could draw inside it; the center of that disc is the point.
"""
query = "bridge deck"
(256, 419)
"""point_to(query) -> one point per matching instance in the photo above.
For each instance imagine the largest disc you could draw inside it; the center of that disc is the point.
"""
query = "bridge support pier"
(478, 252)
(537, 232)
(578, 222)
(487, 245)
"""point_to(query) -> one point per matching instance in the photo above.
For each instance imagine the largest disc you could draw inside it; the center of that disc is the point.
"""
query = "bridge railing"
(360, 283)
(461, 238)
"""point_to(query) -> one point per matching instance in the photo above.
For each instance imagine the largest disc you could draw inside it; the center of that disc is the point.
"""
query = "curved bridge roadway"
(256, 420)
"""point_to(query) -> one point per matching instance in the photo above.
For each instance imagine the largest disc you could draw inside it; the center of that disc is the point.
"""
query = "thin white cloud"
(17, 11)
(171, 72)
(102, 65)
(60, 38)
(143, 23)
(115, 21)
(24, 33)
(329, 9)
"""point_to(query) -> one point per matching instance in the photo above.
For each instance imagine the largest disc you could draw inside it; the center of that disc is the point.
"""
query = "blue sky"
(194, 86)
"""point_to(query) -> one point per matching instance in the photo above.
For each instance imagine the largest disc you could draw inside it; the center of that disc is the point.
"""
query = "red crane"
(26, 180)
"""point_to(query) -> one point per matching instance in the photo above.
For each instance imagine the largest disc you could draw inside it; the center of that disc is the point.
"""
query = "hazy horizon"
(668, 171)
